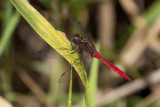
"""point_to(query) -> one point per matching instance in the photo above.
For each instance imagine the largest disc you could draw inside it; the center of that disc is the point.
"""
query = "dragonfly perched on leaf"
(84, 44)
(87, 46)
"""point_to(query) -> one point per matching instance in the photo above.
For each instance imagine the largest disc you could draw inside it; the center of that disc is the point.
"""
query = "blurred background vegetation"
(129, 35)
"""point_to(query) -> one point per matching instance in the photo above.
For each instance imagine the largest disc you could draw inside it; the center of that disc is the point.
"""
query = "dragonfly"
(85, 45)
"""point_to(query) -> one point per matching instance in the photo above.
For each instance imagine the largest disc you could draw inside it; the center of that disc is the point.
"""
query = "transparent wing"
(78, 26)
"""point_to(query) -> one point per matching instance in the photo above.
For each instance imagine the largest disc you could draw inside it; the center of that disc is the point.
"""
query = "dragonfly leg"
(80, 51)
(75, 61)
(69, 50)
(73, 47)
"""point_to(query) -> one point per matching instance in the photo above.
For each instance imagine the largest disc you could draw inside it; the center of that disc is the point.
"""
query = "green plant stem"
(70, 90)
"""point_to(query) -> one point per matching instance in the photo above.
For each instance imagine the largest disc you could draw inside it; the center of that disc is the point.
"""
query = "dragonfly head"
(76, 38)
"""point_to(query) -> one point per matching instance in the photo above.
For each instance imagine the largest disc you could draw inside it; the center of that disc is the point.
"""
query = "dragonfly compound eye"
(75, 37)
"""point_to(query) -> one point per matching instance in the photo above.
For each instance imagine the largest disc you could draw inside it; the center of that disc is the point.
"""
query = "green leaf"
(54, 38)
(7, 34)
(93, 78)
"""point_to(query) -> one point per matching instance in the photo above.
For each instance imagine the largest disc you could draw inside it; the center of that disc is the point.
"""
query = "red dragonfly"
(87, 46)
(84, 44)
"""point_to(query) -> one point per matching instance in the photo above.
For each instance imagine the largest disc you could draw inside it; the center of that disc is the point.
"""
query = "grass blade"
(54, 38)
(93, 78)
(8, 31)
